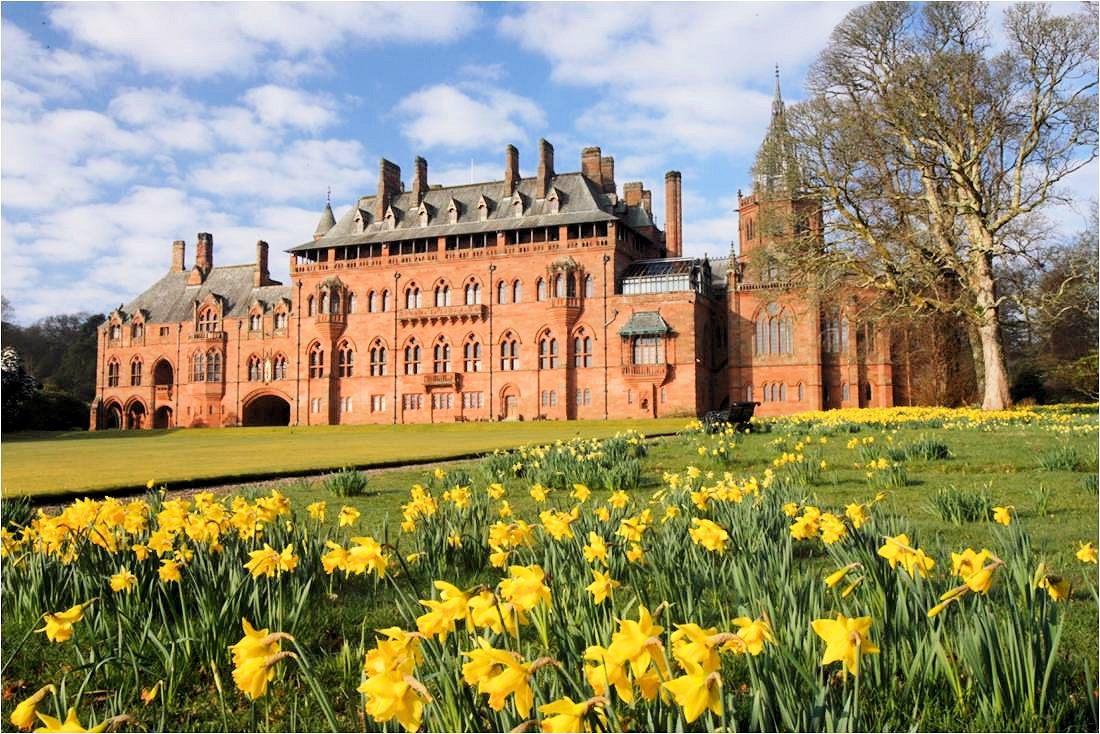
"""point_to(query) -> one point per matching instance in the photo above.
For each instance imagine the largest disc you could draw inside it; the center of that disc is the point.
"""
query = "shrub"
(347, 483)
(15, 511)
(1089, 483)
(1063, 458)
(927, 449)
(957, 506)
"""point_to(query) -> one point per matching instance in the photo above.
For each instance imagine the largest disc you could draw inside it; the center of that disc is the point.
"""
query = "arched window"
(198, 367)
(208, 320)
(509, 354)
(316, 361)
(309, 306)
(372, 302)
(385, 300)
(548, 352)
(135, 373)
(589, 286)
(116, 331)
(351, 303)
(502, 292)
(345, 360)
(783, 391)
(255, 321)
(582, 349)
(412, 358)
(571, 285)
(773, 331)
(801, 392)
(559, 286)
(112, 373)
(138, 331)
(324, 302)
(844, 391)
(280, 319)
(278, 367)
(412, 297)
(517, 291)
(748, 392)
(213, 366)
(867, 391)
(471, 355)
(540, 289)
(442, 295)
(473, 293)
(255, 369)
(441, 356)
(844, 335)
(378, 360)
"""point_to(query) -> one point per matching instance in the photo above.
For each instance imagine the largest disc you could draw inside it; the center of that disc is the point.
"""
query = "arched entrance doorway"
(135, 416)
(162, 418)
(267, 410)
(509, 403)
(113, 412)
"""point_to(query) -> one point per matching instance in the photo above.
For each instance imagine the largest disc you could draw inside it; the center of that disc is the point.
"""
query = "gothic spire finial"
(777, 101)
(328, 193)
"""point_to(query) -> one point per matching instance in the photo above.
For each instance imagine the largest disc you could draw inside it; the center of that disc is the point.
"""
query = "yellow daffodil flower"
(1003, 515)
(23, 715)
(846, 639)
(1086, 553)
(59, 625)
(123, 581)
(71, 723)
(696, 691)
(601, 587)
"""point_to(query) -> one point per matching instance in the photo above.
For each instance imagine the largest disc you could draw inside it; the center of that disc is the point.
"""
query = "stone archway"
(162, 372)
(113, 415)
(266, 410)
(509, 403)
(162, 418)
(136, 416)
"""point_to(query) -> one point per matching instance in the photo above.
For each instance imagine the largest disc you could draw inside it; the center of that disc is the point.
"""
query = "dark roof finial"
(328, 191)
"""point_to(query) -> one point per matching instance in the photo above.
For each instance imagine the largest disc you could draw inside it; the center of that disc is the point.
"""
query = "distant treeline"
(59, 353)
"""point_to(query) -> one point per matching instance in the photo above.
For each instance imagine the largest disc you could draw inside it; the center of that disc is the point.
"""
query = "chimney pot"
(511, 170)
(545, 169)
(263, 276)
(204, 253)
(420, 179)
(591, 165)
(607, 172)
(389, 186)
(179, 251)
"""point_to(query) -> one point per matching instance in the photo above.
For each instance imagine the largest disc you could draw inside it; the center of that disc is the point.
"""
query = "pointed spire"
(777, 100)
(328, 220)
(776, 170)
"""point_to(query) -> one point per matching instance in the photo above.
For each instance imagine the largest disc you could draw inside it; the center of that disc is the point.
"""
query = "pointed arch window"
(412, 358)
(255, 321)
(208, 320)
(255, 369)
(517, 291)
(280, 319)
(412, 297)
(213, 366)
(323, 308)
(548, 352)
(471, 355)
(278, 367)
(345, 360)
(116, 332)
(559, 286)
(502, 292)
(316, 361)
(112, 373)
(473, 293)
(138, 331)
(509, 353)
(309, 306)
(589, 286)
(378, 361)
(351, 303)
(372, 302)
(198, 367)
(442, 295)
(385, 300)
(540, 289)
(582, 349)
(774, 331)
(135, 373)
(571, 285)
(441, 356)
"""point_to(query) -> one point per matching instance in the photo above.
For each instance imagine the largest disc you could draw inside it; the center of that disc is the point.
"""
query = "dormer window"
(280, 320)
(208, 320)
(390, 218)
(552, 201)
(422, 213)
(116, 331)
(255, 322)
(517, 205)
(482, 209)
(452, 212)
(138, 331)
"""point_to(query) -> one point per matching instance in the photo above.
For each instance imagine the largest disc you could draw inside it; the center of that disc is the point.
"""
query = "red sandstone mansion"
(549, 296)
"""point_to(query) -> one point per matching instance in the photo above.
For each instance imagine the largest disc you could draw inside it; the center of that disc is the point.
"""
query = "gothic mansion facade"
(553, 296)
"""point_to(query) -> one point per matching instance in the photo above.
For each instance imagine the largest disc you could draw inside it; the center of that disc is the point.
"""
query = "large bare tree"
(933, 154)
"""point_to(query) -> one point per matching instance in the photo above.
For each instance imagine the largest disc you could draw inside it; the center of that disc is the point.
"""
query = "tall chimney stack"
(647, 201)
(511, 170)
(632, 193)
(546, 168)
(607, 172)
(204, 253)
(420, 179)
(389, 186)
(674, 238)
(179, 251)
(592, 165)
(263, 276)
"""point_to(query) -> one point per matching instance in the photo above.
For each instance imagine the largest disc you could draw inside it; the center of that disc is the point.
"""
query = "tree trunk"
(995, 395)
(974, 341)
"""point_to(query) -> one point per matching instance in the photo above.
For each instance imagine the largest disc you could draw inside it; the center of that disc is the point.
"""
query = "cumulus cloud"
(201, 40)
(56, 73)
(448, 116)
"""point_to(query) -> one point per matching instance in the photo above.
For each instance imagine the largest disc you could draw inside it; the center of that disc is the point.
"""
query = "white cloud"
(470, 117)
(201, 40)
(56, 73)
(277, 106)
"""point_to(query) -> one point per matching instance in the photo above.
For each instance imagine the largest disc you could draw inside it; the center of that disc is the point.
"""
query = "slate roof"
(170, 299)
(578, 201)
(644, 323)
(327, 221)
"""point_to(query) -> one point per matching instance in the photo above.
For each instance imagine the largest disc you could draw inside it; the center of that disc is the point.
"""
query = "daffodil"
(123, 581)
(581, 493)
(1056, 586)
(442, 615)
(394, 695)
(846, 640)
(709, 535)
(169, 571)
(254, 658)
(564, 716)
(59, 625)
(696, 691)
(71, 723)
(23, 714)
(500, 674)
(524, 587)
(1086, 553)
(632, 642)
(595, 550)
(348, 516)
(1003, 515)
(754, 633)
(601, 586)
(316, 510)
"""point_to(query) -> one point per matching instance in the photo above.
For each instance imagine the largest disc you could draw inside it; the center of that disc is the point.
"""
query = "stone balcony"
(208, 336)
(646, 372)
(443, 313)
(162, 394)
(443, 379)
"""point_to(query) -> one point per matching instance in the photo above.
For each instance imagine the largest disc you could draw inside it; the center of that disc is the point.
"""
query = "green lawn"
(73, 462)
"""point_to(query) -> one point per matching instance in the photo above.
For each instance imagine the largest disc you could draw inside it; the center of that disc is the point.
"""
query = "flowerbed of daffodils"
(720, 601)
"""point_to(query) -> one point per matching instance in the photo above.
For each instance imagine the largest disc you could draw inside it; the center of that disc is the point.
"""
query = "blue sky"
(126, 126)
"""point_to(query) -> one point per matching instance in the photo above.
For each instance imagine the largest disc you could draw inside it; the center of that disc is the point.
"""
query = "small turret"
(327, 222)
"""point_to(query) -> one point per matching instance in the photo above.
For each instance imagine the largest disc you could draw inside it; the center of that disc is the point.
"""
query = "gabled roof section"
(577, 201)
(645, 323)
(171, 299)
